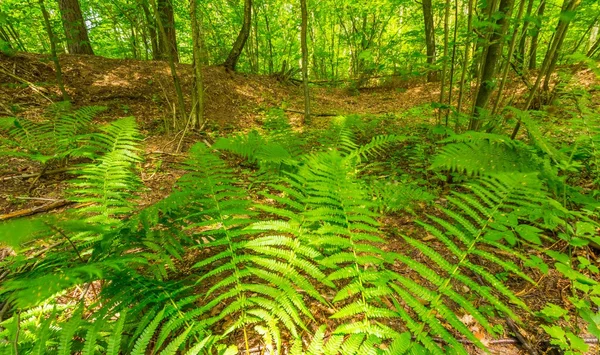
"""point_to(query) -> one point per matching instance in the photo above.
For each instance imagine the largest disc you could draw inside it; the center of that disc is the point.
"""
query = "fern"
(52, 139)
(106, 185)
(476, 153)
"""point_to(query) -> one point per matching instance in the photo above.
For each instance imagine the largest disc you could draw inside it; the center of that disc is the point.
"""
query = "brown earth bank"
(144, 90)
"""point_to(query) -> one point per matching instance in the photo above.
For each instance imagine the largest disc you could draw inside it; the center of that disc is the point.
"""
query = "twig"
(314, 114)
(186, 127)
(26, 176)
(44, 168)
(30, 84)
(36, 198)
(520, 337)
(35, 210)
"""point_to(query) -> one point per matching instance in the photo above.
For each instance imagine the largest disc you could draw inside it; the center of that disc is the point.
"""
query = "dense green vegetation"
(431, 231)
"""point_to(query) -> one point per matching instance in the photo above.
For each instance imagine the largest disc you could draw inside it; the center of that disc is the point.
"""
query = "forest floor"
(234, 102)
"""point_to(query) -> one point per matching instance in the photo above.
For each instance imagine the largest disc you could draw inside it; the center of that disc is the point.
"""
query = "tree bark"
(240, 42)
(523, 40)
(74, 25)
(167, 43)
(429, 39)
(198, 77)
(59, 78)
(536, 36)
(304, 44)
(553, 48)
(151, 24)
(511, 49)
(561, 32)
(444, 58)
(494, 52)
(181, 114)
(466, 57)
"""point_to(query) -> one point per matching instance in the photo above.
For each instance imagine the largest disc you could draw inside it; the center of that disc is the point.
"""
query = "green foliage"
(187, 274)
(55, 138)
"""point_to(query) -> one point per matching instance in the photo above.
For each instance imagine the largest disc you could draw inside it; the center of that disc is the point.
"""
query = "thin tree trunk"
(269, 40)
(444, 59)
(240, 42)
(429, 39)
(491, 63)
(465, 58)
(523, 40)
(167, 42)
(511, 49)
(584, 36)
(568, 5)
(59, 78)
(561, 33)
(74, 25)
(453, 58)
(304, 45)
(171, 61)
(151, 24)
(197, 40)
(536, 36)
(593, 48)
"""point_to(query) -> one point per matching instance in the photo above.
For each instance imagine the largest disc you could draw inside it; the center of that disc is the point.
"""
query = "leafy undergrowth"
(363, 237)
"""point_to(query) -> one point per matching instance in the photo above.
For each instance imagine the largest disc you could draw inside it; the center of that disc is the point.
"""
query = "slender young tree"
(75, 29)
(536, 35)
(240, 42)
(304, 45)
(151, 25)
(59, 78)
(511, 49)
(568, 6)
(167, 41)
(466, 57)
(523, 40)
(197, 39)
(494, 51)
(444, 58)
(564, 21)
(180, 103)
(429, 39)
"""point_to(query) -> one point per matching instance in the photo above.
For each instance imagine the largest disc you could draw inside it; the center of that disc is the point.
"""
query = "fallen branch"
(30, 84)
(35, 210)
(520, 337)
(26, 176)
(314, 114)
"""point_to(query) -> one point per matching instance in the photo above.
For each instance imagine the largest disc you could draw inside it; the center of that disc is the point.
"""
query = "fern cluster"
(207, 270)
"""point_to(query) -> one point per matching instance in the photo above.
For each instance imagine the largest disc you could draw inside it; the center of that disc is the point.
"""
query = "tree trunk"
(493, 55)
(511, 49)
(444, 58)
(240, 42)
(198, 77)
(429, 39)
(466, 57)
(59, 78)
(453, 59)
(304, 45)
(536, 36)
(181, 114)
(151, 23)
(561, 32)
(523, 41)
(74, 25)
(553, 48)
(167, 43)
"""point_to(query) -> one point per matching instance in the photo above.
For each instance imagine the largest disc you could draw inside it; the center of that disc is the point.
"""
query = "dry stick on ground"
(313, 114)
(26, 176)
(29, 83)
(35, 210)
(513, 327)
